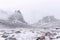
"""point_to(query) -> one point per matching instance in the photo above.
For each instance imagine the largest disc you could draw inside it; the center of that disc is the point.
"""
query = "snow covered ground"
(29, 34)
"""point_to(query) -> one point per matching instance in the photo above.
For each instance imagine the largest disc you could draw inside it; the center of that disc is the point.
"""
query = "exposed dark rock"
(17, 32)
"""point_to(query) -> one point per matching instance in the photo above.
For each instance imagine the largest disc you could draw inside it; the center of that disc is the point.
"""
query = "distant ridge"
(48, 22)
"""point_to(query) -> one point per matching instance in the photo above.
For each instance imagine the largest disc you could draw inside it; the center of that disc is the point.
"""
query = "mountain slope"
(16, 20)
(16, 16)
(48, 22)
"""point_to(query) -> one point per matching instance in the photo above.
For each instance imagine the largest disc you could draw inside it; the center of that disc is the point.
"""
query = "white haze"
(32, 10)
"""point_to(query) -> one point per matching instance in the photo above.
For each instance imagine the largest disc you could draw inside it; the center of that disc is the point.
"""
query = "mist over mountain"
(16, 17)
(16, 20)
(48, 22)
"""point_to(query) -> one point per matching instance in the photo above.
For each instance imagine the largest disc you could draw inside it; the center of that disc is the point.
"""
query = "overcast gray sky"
(32, 10)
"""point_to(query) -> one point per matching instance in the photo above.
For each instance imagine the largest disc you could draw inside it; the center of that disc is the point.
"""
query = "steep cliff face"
(16, 17)
(48, 22)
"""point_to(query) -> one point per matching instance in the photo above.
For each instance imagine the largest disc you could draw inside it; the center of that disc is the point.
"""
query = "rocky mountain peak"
(18, 11)
(49, 19)
(16, 16)
(48, 22)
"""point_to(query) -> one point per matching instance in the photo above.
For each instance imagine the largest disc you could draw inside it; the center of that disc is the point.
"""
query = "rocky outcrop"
(16, 17)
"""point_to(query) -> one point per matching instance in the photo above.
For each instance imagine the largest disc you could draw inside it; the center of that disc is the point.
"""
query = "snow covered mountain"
(48, 22)
(16, 20)
(16, 17)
